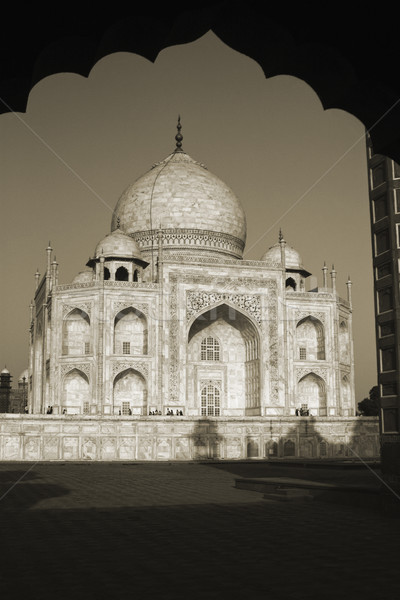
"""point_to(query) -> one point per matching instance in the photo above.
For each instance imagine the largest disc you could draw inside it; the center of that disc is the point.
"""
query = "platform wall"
(50, 437)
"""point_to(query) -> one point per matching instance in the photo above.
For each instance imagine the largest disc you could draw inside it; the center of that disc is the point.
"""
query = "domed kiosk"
(171, 346)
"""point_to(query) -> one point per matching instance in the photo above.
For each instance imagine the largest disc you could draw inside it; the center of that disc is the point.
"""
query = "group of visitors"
(170, 413)
(49, 410)
(303, 412)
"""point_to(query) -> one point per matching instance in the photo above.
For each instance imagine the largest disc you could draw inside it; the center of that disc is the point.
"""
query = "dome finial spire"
(179, 136)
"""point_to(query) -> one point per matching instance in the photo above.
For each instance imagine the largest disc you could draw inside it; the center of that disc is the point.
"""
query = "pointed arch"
(311, 392)
(75, 392)
(344, 342)
(122, 274)
(130, 393)
(345, 393)
(76, 333)
(310, 339)
(130, 332)
(290, 284)
(235, 341)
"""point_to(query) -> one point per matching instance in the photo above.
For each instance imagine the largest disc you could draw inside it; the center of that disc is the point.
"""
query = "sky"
(65, 162)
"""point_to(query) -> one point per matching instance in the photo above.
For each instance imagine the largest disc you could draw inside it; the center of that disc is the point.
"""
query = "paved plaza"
(183, 531)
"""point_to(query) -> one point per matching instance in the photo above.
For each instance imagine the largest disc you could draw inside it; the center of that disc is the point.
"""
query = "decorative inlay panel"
(192, 238)
(67, 308)
(140, 366)
(118, 306)
(321, 372)
(67, 367)
(216, 382)
(197, 301)
(303, 314)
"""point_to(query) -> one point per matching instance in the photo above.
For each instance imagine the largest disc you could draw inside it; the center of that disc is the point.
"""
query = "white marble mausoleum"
(169, 327)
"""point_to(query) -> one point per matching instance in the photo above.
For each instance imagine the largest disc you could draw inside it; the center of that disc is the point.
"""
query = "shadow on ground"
(216, 548)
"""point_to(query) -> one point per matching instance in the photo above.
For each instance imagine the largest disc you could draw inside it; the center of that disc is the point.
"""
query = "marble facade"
(168, 316)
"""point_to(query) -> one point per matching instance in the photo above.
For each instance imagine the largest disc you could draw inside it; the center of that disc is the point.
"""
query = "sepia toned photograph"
(200, 370)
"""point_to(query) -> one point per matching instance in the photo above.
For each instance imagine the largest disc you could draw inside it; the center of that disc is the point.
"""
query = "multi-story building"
(384, 191)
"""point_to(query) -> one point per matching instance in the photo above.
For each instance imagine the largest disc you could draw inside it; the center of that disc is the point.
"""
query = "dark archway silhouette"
(349, 58)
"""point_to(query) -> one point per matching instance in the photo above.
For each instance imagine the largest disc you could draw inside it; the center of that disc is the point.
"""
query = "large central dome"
(195, 211)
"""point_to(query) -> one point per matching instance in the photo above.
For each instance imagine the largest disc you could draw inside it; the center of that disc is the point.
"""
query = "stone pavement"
(183, 531)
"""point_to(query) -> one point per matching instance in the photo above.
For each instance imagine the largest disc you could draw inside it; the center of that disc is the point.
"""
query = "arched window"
(130, 393)
(312, 394)
(290, 285)
(106, 273)
(210, 401)
(76, 333)
(310, 339)
(121, 274)
(130, 332)
(75, 392)
(344, 343)
(210, 349)
(135, 275)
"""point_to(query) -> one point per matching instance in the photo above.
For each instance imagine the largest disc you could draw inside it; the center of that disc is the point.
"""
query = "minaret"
(49, 250)
(37, 277)
(325, 276)
(333, 279)
(54, 272)
(349, 284)
(282, 244)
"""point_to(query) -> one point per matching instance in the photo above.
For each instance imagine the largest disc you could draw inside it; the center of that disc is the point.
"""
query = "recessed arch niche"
(130, 332)
(312, 392)
(310, 339)
(130, 393)
(237, 370)
(75, 392)
(76, 333)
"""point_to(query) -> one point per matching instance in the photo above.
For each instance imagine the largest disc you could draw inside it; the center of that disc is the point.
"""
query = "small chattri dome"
(83, 276)
(23, 375)
(293, 259)
(118, 244)
(5, 371)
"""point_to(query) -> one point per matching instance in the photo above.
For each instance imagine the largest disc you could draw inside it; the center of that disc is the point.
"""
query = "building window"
(126, 347)
(389, 389)
(210, 401)
(380, 208)
(106, 273)
(126, 408)
(378, 175)
(388, 359)
(397, 200)
(382, 241)
(396, 170)
(303, 353)
(386, 329)
(390, 420)
(210, 349)
(87, 347)
(385, 299)
(383, 270)
(86, 409)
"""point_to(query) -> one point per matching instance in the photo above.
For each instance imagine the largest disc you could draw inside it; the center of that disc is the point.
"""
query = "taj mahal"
(170, 345)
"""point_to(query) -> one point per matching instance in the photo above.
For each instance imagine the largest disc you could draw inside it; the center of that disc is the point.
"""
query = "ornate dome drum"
(195, 211)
